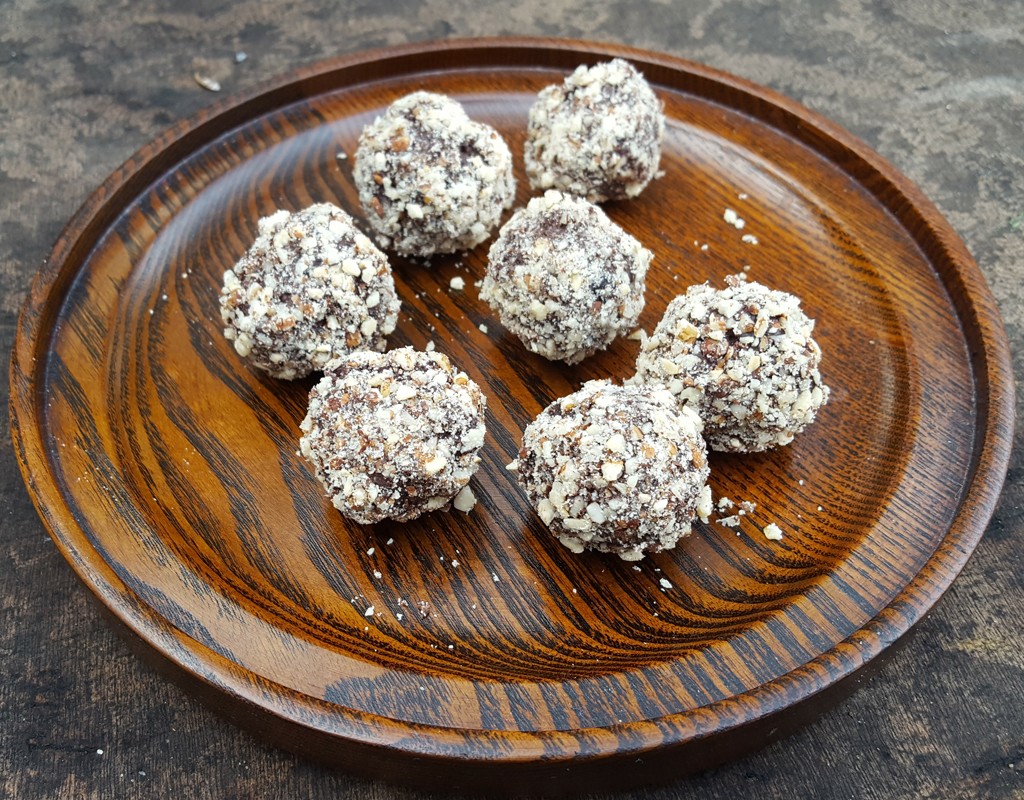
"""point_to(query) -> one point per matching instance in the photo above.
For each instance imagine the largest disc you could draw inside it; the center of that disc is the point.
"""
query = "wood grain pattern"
(166, 469)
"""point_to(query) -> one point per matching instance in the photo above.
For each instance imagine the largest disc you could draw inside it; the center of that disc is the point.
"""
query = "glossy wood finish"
(166, 471)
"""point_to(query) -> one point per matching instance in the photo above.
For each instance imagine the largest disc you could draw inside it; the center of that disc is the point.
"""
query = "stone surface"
(936, 87)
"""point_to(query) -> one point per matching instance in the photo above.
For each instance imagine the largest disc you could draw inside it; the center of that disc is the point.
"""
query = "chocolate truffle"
(743, 358)
(393, 435)
(430, 179)
(597, 135)
(564, 278)
(311, 288)
(619, 469)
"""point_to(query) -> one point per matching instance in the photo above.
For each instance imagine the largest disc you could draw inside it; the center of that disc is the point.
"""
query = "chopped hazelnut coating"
(620, 469)
(393, 435)
(596, 135)
(564, 278)
(311, 288)
(430, 179)
(743, 357)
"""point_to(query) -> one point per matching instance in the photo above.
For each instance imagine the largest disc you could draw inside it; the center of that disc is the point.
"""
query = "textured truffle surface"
(564, 278)
(596, 135)
(393, 435)
(311, 288)
(430, 179)
(744, 358)
(619, 469)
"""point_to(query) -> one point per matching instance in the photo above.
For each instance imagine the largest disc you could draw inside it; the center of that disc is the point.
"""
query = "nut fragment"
(611, 470)
(464, 501)
(772, 531)
(435, 465)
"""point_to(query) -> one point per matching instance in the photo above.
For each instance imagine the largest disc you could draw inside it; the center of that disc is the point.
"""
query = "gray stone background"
(936, 87)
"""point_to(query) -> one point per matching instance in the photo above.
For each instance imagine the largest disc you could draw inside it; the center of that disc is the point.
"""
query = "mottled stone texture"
(937, 87)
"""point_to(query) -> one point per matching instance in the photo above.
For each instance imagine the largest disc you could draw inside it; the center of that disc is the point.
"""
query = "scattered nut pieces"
(734, 219)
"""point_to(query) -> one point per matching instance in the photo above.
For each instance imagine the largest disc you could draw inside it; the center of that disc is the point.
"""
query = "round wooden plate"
(472, 650)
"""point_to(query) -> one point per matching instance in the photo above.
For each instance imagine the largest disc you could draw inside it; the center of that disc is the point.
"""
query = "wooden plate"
(165, 468)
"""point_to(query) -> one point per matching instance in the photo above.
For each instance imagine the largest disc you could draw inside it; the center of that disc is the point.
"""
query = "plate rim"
(946, 253)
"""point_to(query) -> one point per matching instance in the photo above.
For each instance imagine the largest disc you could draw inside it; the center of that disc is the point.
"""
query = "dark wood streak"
(165, 467)
(88, 439)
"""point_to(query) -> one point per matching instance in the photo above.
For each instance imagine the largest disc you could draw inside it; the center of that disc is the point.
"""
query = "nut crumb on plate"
(772, 531)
